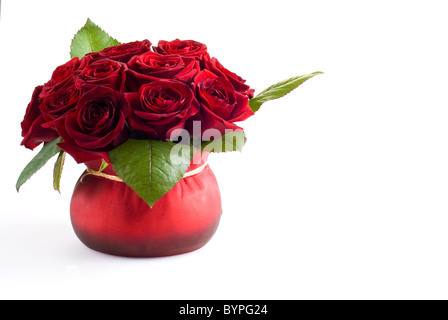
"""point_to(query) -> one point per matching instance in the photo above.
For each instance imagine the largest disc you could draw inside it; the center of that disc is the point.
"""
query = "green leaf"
(48, 151)
(279, 90)
(151, 168)
(57, 173)
(103, 166)
(90, 38)
(232, 141)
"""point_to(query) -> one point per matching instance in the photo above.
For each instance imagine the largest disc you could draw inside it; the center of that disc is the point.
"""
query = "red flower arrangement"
(110, 94)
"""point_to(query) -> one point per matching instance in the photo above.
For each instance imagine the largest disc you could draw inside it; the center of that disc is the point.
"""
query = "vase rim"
(199, 159)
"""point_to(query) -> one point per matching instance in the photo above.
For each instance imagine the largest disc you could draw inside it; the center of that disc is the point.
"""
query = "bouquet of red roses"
(144, 109)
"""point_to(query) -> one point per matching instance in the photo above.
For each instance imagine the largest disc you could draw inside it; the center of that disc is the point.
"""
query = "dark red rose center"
(63, 99)
(100, 72)
(164, 100)
(98, 112)
(96, 118)
(220, 91)
(162, 62)
(219, 94)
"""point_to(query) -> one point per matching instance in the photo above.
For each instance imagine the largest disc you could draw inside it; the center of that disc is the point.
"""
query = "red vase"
(108, 216)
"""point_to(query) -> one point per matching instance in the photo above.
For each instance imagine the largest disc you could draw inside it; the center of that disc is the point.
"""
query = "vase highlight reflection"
(108, 216)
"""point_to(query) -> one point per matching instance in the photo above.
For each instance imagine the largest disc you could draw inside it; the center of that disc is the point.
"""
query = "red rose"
(123, 52)
(217, 68)
(96, 126)
(186, 48)
(60, 102)
(222, 105)
(152, 66)
(32, 131)
(104, 72)
(61, 76)
(160, 107)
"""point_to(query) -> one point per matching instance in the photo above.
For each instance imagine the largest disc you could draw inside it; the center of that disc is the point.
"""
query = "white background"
(340, 193)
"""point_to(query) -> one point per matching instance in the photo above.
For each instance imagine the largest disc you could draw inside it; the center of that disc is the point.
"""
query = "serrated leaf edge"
(256, 102)
(20, 183)
(88, 37)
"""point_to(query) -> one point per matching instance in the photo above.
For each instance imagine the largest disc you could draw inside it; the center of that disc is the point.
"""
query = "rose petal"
(38, 134)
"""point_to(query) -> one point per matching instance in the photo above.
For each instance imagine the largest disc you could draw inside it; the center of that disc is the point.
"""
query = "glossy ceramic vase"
(108, 216)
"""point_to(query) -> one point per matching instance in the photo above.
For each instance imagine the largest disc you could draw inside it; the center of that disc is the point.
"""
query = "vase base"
(109, 217)
(142, 255)
(147, 248)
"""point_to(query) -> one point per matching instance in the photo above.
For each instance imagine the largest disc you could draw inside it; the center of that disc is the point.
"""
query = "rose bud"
(32, 131)
(186, 48)
(218, 69)
(96, 126)
(60, 102)
(160, 107)
(123, 52)
(61, 76)
(222, 105)
(152, 66)
(105, 72)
